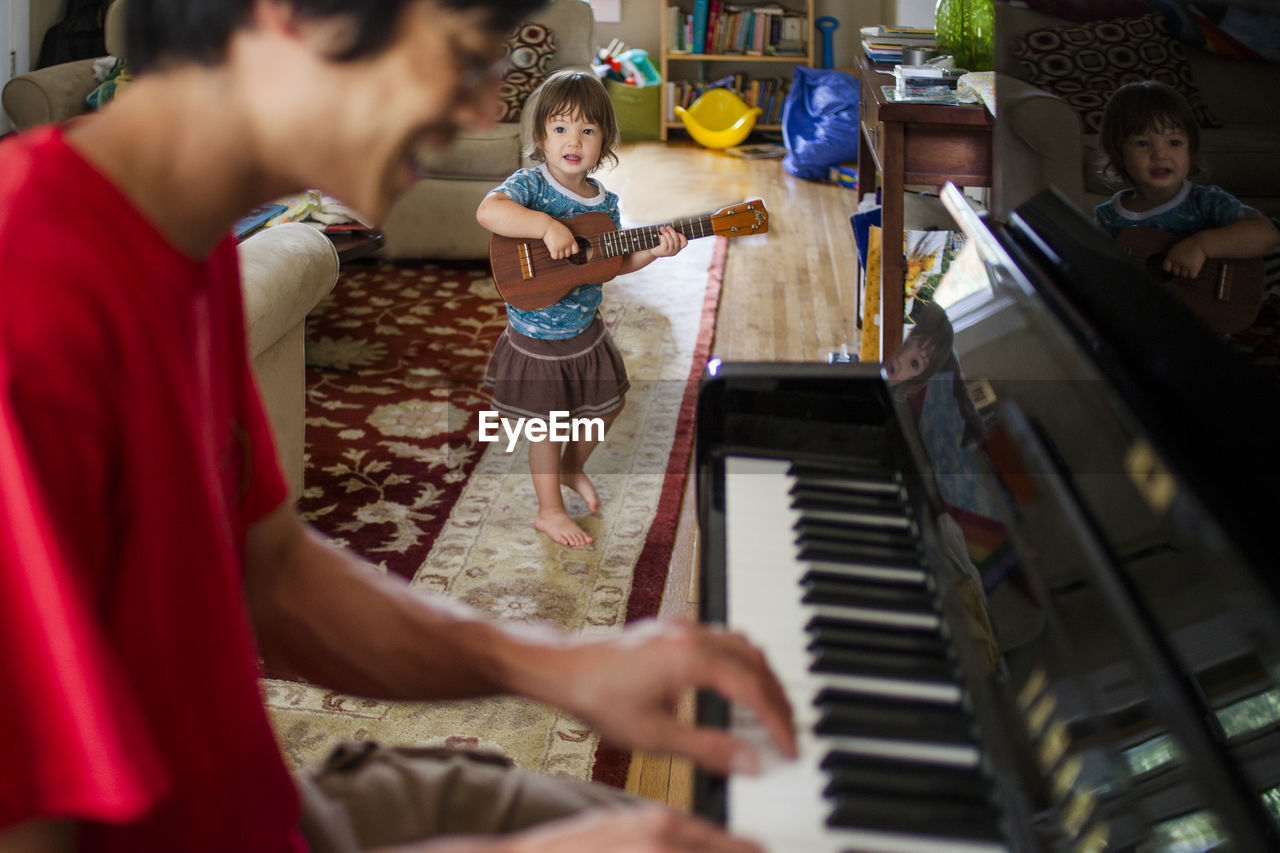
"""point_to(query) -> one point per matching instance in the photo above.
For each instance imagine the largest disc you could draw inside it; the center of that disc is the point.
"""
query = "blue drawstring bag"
(819, 122)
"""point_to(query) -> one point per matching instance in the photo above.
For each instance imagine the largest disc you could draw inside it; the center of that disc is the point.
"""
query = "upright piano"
(1021, 584)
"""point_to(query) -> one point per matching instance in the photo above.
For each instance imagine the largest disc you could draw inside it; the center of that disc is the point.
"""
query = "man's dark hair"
(163, 32)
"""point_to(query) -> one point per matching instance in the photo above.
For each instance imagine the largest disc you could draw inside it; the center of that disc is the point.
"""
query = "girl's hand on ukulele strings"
(559, 240)
(1185, 258)
(670, 241)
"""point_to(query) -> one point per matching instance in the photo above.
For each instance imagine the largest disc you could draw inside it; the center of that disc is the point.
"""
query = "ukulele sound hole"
(583, 254)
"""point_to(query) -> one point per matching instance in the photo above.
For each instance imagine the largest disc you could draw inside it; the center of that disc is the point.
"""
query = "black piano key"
(820, 531)
(855, 774)
(890, 593)
(845, 552)
(831, 631)
(887, 664)
(844, 594)
(867, 475)
(900, 720)
(915, 815)
(802, 496)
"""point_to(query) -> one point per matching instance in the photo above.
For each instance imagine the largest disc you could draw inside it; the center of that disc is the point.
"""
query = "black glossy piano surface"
(1021, 585)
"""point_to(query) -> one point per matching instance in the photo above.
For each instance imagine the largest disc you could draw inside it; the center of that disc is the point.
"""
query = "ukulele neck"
(631, 240)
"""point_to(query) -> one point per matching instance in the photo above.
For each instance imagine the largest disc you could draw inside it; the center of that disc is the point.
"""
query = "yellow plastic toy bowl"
(718, 119)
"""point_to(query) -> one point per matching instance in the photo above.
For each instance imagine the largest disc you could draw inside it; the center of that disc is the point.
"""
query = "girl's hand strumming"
(559, 240)
(1185, 258)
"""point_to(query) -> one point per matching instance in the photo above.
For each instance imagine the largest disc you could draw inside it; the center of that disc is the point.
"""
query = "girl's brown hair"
(578, 94)
(1138, 108)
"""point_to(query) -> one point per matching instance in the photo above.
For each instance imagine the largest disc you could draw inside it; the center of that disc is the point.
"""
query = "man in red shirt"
(148, 553)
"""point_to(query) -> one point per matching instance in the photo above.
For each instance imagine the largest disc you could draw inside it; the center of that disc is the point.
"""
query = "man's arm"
(322, 614)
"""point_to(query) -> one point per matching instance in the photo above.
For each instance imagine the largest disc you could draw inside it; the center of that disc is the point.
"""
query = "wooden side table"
(912, 144)
(354, 244)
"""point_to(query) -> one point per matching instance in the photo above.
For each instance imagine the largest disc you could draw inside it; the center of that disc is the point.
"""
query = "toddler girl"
(562, 358)
(1150, 143)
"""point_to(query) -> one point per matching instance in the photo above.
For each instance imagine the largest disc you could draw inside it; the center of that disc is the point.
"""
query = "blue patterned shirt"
(1195, 208)
(536, 189)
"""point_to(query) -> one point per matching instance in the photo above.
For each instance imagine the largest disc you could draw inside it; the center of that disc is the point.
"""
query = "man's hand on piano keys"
(628, 687)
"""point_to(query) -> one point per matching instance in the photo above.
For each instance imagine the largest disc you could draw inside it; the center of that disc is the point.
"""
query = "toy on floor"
(719, 119)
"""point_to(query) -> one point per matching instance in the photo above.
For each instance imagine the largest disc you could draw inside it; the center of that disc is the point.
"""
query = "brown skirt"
(582, 375)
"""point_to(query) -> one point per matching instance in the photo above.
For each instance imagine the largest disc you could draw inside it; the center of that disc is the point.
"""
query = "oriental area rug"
(395, 471)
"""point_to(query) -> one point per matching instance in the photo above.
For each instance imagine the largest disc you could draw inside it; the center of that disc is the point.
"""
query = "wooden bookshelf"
(712, 66)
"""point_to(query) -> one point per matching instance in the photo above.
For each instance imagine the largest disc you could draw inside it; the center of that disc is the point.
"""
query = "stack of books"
(750, 28)
(884, 44)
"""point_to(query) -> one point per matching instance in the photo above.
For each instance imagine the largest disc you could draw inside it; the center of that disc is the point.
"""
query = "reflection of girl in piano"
(924, 352)
(949, 427)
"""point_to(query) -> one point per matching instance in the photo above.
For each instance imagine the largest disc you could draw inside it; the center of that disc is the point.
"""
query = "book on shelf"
(700, 8)
(715, 27)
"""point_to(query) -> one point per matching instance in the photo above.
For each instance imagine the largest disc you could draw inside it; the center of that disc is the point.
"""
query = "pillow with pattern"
(529, 52)
(113, 84)
(1083, 64)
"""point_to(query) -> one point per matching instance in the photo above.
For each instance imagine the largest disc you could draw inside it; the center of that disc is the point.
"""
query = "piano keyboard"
(824, 574)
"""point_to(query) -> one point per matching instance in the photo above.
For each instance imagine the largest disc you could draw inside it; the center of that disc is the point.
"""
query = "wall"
(640, 25)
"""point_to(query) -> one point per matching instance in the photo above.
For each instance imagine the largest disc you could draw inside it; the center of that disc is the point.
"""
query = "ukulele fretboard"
(634, 239)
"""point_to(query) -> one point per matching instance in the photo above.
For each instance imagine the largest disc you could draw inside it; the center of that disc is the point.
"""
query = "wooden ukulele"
(1226, 295)
(528, 277)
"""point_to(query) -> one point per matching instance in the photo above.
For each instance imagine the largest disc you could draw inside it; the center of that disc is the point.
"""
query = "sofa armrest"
(1040, 145)
(284, 272)
(48, 95)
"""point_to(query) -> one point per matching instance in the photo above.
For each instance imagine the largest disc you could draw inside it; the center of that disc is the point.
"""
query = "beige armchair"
(285, 271)
(436, 217)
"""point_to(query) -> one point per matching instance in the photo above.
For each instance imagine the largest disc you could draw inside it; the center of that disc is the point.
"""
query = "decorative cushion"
(529, 52)
(1083, 64)
(115, 81)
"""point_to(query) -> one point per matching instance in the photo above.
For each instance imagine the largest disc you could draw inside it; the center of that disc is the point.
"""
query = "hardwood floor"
(788, 295)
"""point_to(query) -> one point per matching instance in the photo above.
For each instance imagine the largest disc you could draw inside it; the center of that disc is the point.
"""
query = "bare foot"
(580, 483)
(559, 526)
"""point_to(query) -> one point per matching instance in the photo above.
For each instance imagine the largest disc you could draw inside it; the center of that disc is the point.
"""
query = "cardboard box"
(637, 108)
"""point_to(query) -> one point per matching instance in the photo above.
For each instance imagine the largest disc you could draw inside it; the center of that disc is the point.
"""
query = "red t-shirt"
(134, 454)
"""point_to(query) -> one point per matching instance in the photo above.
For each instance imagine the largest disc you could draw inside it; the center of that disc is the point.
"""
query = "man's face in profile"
(436, 77)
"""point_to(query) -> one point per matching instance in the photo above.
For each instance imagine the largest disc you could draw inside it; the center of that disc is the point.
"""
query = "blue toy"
(827, 25)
